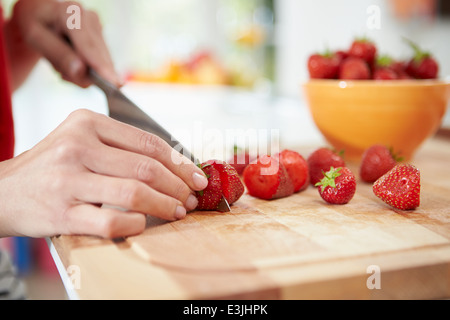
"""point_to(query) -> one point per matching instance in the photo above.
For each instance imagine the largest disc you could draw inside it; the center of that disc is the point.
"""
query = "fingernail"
(75, 67)
(180, 213)
(191, 202)
(200, 181)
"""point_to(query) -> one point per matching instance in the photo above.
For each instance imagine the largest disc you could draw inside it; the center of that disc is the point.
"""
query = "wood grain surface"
(292, 248)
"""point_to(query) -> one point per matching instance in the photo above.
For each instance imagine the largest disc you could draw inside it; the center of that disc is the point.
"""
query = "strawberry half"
(224, 180)
(376, 161)
(400, 187)
(266, 178)
(296, 167)
(338, 185)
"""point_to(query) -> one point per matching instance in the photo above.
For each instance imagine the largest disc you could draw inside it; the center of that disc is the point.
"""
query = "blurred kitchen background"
(227, 64)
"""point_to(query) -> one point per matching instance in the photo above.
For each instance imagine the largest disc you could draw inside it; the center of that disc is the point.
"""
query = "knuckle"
(109, 226)
(180, 191)
(150, 144)
(67, 148)
(130, 193)
(146, 171)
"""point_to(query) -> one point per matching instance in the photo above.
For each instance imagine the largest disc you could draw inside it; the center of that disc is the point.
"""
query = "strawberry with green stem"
(423, 65)
(323, 66)
(338, 186)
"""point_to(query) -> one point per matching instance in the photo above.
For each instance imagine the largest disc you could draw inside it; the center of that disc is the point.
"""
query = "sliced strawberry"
(296, 167)
(223, 180)
(209, 198)
(232, 187)
(320, 161)
(400, 187)
(266, 178)
(338, 186)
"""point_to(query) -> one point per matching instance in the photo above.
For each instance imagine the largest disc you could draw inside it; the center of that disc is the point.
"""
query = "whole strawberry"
(376, 161)
(422, 65)
(223, 180)
(338, 186)
(266, 178)
(323, 66)
(354, 68)
(364, 49)
(400, 187)
(320, 161)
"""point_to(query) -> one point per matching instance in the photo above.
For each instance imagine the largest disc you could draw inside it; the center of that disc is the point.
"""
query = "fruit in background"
(338, 185)
(296, 167)
(323, 66)
(422, 65)
(222, 180)
(266, 178)
(364, 49)
(354, 68)
(399, 187)
(320, 161)
(240, 159)
(387, 68)
(376, 161)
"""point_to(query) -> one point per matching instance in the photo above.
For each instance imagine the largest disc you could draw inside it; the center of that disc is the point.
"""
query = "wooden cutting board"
(293, 248)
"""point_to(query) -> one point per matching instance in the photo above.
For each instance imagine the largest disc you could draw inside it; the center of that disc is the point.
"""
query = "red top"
(6, 117)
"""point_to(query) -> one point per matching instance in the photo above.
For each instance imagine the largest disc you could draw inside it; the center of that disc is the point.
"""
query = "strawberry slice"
(400, 187)
(296, 167)
(222, 180)
(266, 178)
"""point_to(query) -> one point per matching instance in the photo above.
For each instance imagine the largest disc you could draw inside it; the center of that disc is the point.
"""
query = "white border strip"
(70, 290)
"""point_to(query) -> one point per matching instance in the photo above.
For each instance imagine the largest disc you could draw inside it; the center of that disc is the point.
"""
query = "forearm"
(22, 57)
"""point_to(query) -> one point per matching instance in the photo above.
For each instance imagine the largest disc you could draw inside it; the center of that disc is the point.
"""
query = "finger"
(86, 219)
(128, 194)
(123, 136)
(110, 161)
(60, 55)
(88, 41)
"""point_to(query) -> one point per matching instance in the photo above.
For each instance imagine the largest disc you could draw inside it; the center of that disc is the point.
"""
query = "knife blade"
(123, 109)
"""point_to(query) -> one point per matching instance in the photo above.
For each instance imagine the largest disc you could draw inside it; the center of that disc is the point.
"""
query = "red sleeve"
(6, 116)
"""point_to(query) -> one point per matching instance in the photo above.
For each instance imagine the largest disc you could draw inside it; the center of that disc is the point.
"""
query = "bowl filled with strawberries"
(358, 98)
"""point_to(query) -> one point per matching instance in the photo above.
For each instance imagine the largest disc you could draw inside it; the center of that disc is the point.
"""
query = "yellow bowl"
(353, 115)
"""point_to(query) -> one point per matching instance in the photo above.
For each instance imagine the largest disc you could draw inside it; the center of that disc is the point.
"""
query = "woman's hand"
(59, 186)
(41, 27)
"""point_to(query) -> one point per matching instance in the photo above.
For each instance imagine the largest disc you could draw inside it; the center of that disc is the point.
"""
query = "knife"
(123, 109)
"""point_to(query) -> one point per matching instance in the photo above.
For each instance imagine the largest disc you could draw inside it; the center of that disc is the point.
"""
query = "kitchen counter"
(297, 247)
